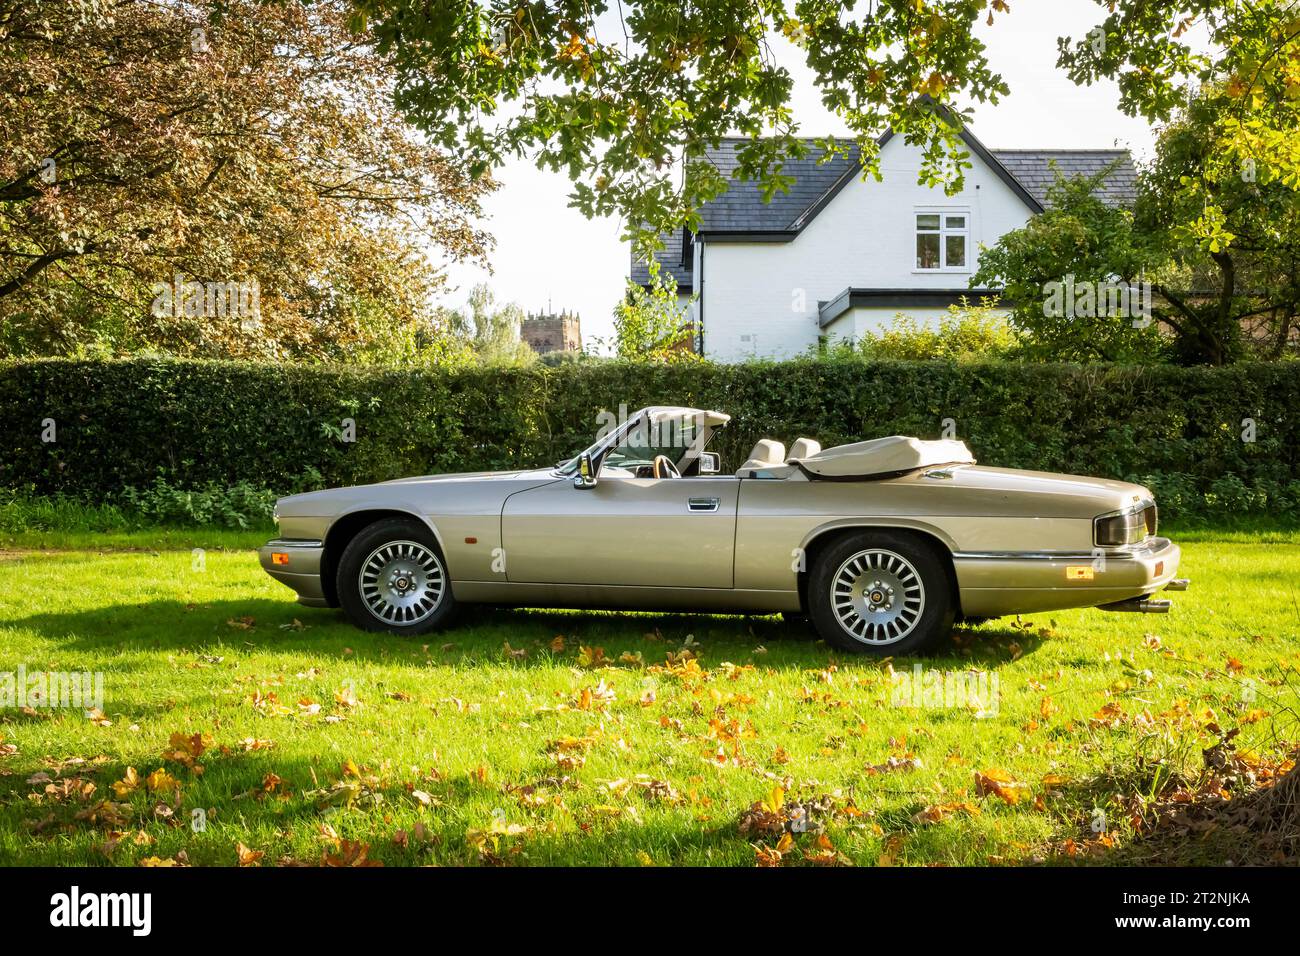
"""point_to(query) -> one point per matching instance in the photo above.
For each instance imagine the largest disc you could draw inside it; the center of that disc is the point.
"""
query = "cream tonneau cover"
(896, 454)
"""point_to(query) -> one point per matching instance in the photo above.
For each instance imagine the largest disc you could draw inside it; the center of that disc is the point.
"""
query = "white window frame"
(943, 212)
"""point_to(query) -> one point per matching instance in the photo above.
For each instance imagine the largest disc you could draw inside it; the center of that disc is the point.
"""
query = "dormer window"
(942, 240)
(688, 249)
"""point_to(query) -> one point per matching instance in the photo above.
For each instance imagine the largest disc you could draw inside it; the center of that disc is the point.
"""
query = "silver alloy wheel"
(877, 596)
(402, 582)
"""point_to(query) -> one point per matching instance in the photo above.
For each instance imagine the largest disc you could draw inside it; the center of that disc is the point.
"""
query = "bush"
(232, 434)
(23, 510)
(968, 332)
(240, 505)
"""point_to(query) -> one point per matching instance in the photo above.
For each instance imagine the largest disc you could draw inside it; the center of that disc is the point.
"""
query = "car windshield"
(641, 439)
(645, 442)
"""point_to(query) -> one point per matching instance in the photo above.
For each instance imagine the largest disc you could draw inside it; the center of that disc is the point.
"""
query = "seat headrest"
(804, 448)
(766, 454)
(768, 451)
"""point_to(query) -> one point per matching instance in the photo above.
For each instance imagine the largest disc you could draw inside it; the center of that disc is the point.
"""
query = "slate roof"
(1033, 169)
(741, 208)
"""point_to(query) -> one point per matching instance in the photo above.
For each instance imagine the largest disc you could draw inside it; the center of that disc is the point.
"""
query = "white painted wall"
(760, 299)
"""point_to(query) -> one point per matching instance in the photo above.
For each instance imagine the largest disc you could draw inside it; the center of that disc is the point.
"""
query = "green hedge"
(197, 424)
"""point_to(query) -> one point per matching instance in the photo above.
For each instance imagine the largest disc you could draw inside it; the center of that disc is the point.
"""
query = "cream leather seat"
(766, 454)
(804, 448)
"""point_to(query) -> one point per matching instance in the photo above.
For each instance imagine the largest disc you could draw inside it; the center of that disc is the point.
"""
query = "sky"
(548, 255)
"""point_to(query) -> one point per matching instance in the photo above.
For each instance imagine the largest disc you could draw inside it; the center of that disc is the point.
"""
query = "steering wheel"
(664, 467)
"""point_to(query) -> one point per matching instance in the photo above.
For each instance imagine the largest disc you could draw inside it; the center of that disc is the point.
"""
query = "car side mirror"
(710, 463)
(585, 476)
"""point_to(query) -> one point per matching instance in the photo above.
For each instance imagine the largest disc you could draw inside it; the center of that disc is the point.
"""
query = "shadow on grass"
(478, 632)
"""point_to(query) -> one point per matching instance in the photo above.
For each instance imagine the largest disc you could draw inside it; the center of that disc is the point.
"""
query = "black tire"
(395, 551)
(916, 608)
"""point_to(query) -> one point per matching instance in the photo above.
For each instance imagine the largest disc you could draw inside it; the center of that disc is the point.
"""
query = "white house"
(838, 255)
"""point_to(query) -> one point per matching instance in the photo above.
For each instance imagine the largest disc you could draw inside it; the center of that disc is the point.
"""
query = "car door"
(647, 532)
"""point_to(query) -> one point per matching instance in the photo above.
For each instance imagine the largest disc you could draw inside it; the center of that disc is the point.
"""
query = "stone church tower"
(552, 332)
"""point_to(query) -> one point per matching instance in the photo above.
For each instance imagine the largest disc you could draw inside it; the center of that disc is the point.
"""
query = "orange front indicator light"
(279, 557)
(1082, 572)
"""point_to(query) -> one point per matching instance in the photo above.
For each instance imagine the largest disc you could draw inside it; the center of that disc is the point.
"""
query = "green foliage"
(23, 510)
(196, 425)
(617, 111)
(1200, 288)
(967, 333)
(1223, 197)
(552, 359)
(490, 330)
(1082, 243)
(650, 323)
(239, 505)
(625, 111)
(1229, 234)
(1243, 56)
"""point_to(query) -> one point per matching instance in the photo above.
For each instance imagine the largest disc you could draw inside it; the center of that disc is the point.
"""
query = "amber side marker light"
(279, 557)
(1078, 573)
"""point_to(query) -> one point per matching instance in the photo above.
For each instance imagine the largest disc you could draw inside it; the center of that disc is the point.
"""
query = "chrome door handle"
(703, 504)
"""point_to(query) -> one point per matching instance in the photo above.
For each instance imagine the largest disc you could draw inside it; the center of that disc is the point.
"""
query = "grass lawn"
(580, 738)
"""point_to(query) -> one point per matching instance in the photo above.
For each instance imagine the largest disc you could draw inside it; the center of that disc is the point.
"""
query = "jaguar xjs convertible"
(882, 544)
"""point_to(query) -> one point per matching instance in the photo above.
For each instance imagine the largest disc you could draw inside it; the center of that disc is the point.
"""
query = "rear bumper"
(299, 570)
(1012, 582)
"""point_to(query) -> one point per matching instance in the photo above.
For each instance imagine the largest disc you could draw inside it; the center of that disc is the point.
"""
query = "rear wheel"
(882, 592)
(392, 578)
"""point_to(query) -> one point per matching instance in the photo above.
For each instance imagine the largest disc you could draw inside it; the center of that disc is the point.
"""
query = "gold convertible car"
(883, 544)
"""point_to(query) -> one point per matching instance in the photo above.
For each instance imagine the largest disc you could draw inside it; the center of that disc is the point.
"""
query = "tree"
(1229, 168)
(168, 163)
(1228, 236)
(1210, 280)
(650, 323)
(1057, 273)
(492, 332)
(629, 112)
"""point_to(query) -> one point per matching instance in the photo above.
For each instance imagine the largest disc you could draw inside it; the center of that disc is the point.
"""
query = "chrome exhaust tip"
(1178, 584)
(1140, 605)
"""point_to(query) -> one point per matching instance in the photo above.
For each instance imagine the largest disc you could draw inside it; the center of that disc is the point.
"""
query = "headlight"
(1126, 527)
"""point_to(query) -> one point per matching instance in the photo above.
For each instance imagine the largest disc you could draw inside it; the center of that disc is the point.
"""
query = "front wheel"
(392, 578)
(882, 593)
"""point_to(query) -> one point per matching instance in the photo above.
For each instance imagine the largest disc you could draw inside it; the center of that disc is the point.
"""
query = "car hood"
(468, 487)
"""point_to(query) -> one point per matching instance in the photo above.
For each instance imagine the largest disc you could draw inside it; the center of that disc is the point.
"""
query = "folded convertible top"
(883, 457)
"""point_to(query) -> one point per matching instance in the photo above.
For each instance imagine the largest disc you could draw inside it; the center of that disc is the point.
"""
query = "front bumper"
(298, 568)
(1001, 583)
